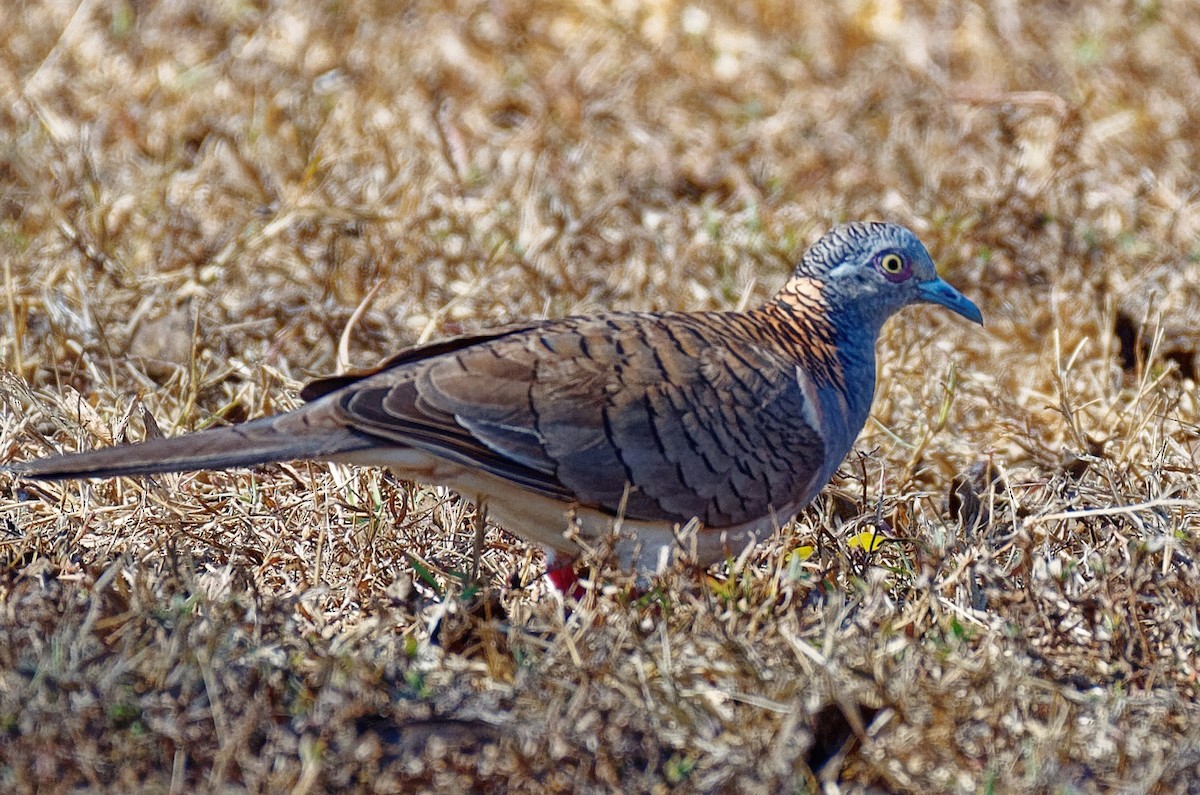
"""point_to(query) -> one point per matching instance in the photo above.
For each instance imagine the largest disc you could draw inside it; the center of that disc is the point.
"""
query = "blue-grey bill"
(940, 293)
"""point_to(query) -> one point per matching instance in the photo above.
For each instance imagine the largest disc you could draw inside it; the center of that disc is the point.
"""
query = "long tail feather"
(257, 442)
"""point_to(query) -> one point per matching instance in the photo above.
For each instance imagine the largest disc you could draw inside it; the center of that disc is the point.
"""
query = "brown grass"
(195, 199)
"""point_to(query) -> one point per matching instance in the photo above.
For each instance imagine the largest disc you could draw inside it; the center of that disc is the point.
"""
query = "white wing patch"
(813, 412)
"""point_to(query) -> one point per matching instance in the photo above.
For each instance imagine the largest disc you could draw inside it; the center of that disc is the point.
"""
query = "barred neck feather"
(798, 321)
(831, 346)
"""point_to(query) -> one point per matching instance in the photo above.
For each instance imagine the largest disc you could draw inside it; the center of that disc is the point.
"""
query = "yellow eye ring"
(891, 263)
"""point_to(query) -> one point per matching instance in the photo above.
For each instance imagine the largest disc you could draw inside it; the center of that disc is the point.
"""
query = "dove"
(670, 434)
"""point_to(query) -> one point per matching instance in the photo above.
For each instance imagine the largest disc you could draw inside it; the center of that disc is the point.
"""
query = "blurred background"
(204, 203)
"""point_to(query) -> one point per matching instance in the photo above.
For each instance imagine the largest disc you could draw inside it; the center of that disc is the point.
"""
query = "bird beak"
(939, 292)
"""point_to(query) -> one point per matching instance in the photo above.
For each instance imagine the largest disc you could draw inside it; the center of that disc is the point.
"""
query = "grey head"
(869, 271)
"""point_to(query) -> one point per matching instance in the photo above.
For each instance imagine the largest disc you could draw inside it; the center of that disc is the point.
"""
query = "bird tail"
(257, 442)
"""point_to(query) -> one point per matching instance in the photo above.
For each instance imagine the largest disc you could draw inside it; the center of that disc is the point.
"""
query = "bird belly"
(649, 547)
(571, 528)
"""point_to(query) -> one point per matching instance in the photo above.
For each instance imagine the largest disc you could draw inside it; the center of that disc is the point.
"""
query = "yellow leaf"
(868, 540)
(800, 554)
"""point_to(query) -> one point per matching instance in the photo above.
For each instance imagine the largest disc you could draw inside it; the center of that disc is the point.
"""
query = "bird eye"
(893, 266)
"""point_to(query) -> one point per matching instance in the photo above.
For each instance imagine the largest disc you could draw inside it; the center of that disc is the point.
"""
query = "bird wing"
(654, 417)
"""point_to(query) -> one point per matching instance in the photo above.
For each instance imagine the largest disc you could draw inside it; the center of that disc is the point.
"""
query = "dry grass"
(196, 197)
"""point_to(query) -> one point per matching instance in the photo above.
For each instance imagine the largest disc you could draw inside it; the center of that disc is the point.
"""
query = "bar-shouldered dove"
(689, 432)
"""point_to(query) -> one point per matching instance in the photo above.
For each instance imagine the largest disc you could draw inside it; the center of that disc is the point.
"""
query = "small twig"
(1165, 502)
(480, 533)
(343, 350)
(18, 327)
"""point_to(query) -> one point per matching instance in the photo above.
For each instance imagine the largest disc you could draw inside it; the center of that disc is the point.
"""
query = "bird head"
(869, 271)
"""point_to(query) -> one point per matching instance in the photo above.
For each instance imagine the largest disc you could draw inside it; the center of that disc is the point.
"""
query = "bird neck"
(833, 343)
(798, 319)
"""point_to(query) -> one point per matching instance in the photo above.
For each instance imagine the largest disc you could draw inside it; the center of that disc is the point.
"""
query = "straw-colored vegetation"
(204, 203)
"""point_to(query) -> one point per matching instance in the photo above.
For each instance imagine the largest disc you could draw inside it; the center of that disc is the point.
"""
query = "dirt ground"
(203, 204)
